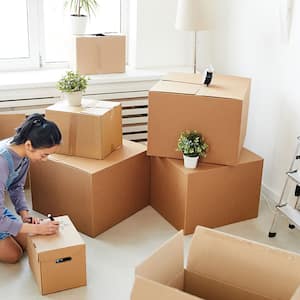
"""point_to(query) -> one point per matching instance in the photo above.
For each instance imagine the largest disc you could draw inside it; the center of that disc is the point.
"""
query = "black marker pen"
(50, 217)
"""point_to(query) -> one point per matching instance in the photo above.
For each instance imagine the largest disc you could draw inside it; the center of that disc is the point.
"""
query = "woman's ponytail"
(39, 131)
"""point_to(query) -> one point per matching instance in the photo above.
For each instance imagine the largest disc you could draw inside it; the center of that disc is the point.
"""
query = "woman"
(34, 140)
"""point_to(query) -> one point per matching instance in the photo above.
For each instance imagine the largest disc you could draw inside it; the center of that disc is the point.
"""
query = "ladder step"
(294, 175)
(291, 213)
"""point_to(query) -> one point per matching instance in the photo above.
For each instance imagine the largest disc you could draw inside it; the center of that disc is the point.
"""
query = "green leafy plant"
(72, 82)
(191, 143)
(78, 6)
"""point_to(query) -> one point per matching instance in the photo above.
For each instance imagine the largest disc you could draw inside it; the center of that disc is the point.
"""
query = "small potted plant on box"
(80, 11)
(73, 85)
(192, 144)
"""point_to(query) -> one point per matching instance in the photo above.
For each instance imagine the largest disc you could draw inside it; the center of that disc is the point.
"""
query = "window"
(36, 33)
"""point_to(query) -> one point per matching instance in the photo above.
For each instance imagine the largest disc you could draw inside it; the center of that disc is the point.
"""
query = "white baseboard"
(269, 195)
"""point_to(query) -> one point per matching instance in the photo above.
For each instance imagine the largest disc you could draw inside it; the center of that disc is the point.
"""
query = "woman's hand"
(31, 220)
(47, 227)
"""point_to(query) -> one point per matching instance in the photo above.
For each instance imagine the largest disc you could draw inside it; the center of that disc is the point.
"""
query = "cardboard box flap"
(223, 86)
(238, 262)
(175, 87)
(127, 151)
(66, 237)
(166, 265)
(145, 289)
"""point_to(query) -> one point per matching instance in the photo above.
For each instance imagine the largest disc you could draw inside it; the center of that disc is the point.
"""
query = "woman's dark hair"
(39, 131)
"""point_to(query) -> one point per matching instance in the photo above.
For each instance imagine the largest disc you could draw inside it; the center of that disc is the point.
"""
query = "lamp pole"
(195, 52)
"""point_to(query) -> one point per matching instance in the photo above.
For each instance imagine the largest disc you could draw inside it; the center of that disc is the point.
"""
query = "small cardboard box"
(58, 261)
(92, 130)
(100, 54)
(211, 195)
(96, 194)
(219, 112)
(219, 267)
(9, 123)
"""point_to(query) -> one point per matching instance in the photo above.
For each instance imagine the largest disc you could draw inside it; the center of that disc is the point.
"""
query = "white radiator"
(134, 110)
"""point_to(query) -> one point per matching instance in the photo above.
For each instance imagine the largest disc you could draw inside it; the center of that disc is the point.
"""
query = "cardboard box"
(219, 112)
(58, 261)
(92, 130)
(100, 54)
(9, 123)
(219, 267)
(211, 195)
(96, 194)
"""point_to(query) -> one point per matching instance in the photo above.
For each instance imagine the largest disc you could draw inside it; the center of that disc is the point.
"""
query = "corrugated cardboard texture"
(45, 251)
(222, 267)
(211, 195)
(249, 266)
(92, 130)
(100, 54)
(96, 194)
(219, 112)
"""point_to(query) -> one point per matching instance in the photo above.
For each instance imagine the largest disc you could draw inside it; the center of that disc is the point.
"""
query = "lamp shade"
(194, 15)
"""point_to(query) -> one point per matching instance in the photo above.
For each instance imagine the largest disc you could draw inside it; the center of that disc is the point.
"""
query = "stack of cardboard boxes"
(225, 188)
(97, 179)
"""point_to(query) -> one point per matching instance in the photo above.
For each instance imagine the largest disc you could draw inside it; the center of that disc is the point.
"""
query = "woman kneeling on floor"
(34, 140)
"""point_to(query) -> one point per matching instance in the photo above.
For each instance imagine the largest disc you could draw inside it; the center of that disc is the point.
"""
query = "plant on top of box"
(80, 11)
(192, 144)
(73, 85)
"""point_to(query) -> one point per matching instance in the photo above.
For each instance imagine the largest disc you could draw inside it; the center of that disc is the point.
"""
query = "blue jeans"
(9, 214)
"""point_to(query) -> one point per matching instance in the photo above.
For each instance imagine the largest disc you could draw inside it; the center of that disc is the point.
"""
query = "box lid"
(89, 106)
(127, 151)
(67, 238)
(223, 86)
(257, 268)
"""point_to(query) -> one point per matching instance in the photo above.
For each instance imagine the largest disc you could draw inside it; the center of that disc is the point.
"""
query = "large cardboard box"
(92, 130)
(211, 195)
(96, 194)
(219, 267)
(100, 54)
(58, 261)
(219, 112)
(9, 123)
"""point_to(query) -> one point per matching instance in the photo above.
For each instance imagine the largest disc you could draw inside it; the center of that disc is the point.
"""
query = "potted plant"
(73, 85)
(80, 11)
(192, 144)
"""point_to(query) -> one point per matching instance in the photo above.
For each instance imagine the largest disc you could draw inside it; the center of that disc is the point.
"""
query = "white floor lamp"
(194, 15)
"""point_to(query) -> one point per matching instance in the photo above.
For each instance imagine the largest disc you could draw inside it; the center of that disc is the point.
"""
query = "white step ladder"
(283, 207)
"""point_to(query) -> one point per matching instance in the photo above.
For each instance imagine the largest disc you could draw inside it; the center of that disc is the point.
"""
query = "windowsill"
(49, 77)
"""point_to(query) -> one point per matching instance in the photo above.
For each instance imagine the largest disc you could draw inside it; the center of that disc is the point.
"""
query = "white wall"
(247, 42)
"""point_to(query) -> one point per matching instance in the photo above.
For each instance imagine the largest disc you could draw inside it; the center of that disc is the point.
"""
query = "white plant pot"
(190, 162)
(78, 24)
(74, 99)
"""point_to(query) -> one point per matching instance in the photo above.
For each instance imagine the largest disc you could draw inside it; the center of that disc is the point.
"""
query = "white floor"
(112, 256)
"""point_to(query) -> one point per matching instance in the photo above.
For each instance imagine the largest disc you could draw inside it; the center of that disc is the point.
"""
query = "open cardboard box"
(58, 261)
(220, 266)
(220, 111)
(92, 130)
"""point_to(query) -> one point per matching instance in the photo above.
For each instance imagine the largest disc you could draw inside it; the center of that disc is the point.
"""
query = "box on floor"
(220, 267)
(99, 54)
(96, 194)
(211, 195)
(92, 130)
(219, 112)
(8, 125)
(58, 261)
